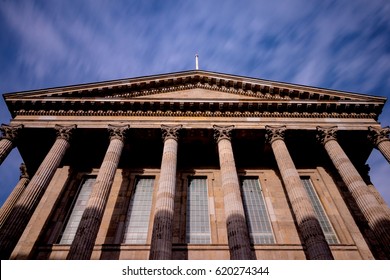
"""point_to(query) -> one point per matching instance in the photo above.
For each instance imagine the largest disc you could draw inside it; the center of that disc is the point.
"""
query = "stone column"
(15, 194)
(366, 201)
(309, 228)
(380, 138)
(161, 244)
(237, 229)
(364, 172)
(10, 135)
(84, 241)
(24, 207)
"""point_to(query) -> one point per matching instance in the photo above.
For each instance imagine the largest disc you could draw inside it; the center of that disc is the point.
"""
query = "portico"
(248, 147)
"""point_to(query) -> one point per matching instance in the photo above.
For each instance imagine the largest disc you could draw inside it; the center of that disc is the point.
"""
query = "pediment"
(196, 94)
(190, 90)
(192, 85)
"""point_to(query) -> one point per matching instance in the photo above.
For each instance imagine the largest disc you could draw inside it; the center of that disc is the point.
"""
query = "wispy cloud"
(338, 44)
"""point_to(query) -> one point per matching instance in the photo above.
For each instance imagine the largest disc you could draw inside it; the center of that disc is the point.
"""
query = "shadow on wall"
(116, 227)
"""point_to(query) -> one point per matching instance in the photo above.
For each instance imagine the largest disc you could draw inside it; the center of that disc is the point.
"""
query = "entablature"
(247, 123)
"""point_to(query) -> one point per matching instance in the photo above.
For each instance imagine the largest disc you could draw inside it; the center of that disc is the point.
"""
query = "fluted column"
(15, 194)
(237, 229)
(7, 142)
(24, 207)
(84, 241)
(364, 172)
(161, 244)
(373, 212)
(380, 138)
(309, 228)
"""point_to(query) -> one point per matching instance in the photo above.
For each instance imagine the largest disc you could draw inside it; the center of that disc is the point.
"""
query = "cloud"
(285, 40)
(379, 166)
(41, 44)
(10, 173)
(333, 44)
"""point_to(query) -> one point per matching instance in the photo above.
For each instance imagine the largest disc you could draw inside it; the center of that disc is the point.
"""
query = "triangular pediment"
(190, 85)
(196, 94)
(166, 91)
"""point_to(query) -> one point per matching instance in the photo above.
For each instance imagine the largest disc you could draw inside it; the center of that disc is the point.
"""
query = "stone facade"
(100, 171)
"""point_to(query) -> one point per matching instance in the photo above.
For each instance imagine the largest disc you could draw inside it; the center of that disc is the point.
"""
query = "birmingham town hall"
(194, 165)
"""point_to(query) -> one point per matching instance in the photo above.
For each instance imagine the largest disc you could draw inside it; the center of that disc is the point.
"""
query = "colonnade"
(18, 210)
(24, 207)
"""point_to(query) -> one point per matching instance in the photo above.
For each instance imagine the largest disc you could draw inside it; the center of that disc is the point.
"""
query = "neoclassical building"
(194, 165)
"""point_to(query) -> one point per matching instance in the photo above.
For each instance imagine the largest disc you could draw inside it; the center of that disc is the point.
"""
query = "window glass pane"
(77, 211)
(320, 213)
(138, 214)
(197, 222)
(259, 226)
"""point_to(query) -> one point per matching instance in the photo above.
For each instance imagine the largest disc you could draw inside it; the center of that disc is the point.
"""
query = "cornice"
(169, 113)
(190, 79)
(196, 107)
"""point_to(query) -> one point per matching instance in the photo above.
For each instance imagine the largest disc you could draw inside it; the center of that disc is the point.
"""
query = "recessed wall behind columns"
(197, 156)
(109, 244)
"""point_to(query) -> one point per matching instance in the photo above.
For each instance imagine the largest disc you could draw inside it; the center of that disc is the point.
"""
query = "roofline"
(197, 72)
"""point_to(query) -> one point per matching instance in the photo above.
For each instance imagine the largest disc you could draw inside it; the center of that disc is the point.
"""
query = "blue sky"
(343, 45)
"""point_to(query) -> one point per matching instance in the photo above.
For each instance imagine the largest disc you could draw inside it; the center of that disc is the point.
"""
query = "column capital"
(10, 132)
(118, 131)
(64, 131)
(377, 135)
(170, 132)
(222, 132)
(23, 171)
(324, 134)
(274, 133)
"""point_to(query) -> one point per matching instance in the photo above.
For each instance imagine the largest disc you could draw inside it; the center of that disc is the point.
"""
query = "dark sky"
(342, 45)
